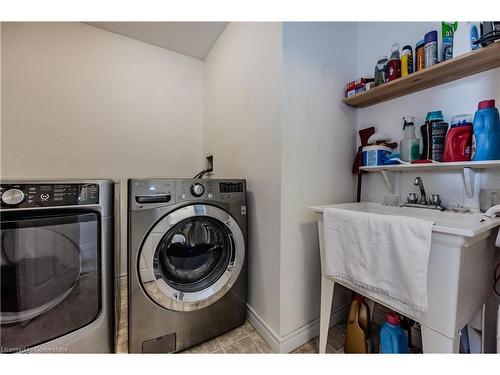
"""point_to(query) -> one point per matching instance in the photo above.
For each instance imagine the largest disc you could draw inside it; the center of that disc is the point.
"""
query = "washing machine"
(56, 259)
(186, 261)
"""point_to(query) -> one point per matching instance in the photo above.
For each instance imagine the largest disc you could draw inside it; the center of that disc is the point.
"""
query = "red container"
(458, 142)
(357, 83)
(392, 70)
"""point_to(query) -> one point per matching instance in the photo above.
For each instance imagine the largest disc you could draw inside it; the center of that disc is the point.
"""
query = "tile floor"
(244, 339)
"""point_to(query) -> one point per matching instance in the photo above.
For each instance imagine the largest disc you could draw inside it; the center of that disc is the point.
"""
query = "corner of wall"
(318, 142)
(242, 119)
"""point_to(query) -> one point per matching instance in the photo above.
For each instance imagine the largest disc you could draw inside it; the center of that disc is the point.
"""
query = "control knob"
(12, 197)
(197, 190)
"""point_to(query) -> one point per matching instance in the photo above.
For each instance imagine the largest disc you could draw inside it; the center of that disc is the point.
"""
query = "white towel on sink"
(386, 257)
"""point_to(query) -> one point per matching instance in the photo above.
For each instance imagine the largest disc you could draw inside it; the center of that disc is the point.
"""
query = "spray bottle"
(410, 145)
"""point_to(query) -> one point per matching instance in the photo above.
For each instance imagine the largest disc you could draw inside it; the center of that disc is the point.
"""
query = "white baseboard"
(297, 338)
(263, 329)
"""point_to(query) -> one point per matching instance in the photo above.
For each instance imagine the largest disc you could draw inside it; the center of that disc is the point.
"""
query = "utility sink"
(460, 268)
(462, 224)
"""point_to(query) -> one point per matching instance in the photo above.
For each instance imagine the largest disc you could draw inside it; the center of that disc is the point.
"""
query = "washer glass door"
(195, 255)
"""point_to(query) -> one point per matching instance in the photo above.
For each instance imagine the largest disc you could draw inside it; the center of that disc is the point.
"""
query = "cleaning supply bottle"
(392, 336)
(447, 30)
(458, 139)
(393, 68)
(410, 145)
(424, 130)
(420, 55)
(486, 139)
(406, 61)
(431, 48)
(380, 78)
(433, 136)
(465, 35)
(364, 315)
(358, 327)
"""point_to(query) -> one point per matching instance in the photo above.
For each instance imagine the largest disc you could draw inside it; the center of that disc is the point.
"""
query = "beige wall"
(79, 101)
(242, 130)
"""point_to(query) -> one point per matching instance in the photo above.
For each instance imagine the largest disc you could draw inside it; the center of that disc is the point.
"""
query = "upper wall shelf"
(462, 66)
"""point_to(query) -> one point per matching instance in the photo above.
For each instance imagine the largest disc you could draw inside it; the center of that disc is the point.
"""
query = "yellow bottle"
(358, 327)
(406, 61)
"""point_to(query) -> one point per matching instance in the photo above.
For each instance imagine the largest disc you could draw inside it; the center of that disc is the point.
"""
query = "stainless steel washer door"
(191, 258)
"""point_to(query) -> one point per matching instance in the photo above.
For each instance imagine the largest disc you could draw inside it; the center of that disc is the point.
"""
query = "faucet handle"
(436, 199)
(412, 198)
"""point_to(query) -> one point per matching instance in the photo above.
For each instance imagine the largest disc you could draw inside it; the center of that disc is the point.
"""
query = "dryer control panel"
(48, 195)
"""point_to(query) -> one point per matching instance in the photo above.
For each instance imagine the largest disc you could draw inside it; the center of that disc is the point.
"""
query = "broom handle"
(358, 191)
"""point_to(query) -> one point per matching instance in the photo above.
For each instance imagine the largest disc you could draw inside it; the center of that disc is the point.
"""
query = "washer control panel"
(172, 191)
(220, 190)
(48, 195)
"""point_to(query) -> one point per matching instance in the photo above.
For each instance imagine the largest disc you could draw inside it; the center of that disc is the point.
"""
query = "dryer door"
(191, 258)
(50, 276)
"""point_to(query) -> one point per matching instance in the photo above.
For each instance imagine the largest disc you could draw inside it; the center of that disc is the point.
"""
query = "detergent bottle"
(392, 336)
(486, 138)
(458, 139)
(358, 327)
(393, 67)
(433, 136)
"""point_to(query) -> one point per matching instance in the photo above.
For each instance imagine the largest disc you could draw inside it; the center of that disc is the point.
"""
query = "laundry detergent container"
(392, 337)
(375, 155)
(486, 139)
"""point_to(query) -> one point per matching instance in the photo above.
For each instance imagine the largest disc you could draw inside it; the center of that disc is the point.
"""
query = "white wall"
(318, 139)
(242, 131)
(79, 101)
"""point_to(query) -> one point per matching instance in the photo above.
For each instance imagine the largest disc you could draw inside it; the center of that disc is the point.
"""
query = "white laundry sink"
(460, 267)
(461, 224)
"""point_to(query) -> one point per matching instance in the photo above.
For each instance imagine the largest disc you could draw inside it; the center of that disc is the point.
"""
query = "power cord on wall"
(203, 173)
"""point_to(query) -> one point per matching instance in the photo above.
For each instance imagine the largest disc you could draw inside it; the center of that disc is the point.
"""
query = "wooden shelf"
(462, 66)
(433, 166)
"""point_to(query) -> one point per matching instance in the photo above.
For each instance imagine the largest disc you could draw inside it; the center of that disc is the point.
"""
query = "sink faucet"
(418, 182)
(413, 201)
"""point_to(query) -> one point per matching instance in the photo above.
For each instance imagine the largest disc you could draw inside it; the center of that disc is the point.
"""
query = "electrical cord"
(202, 173)
(490, 36)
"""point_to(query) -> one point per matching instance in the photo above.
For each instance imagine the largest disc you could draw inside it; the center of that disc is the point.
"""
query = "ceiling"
(189, 38)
